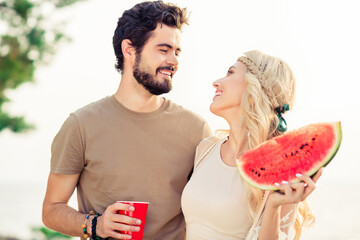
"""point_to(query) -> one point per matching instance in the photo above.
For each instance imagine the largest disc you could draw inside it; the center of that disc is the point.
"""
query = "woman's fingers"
(285, 190)
(296, 192)
(309, 182)
(316, 177)
(292, 192)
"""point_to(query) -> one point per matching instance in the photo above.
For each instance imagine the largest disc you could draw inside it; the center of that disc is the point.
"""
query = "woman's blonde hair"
(270, 84)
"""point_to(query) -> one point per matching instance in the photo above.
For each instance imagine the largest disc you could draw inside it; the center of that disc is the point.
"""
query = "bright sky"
(317, 38)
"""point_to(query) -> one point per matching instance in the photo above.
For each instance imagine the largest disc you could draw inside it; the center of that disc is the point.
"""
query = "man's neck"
(135, 97)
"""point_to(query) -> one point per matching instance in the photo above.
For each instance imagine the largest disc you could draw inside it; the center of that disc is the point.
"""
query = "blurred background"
(56, 56)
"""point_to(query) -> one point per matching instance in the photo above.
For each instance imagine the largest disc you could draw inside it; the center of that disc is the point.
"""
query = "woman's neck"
(237, 143)
(238, 140)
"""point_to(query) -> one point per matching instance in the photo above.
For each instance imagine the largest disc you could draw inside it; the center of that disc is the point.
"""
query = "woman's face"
(229, 91)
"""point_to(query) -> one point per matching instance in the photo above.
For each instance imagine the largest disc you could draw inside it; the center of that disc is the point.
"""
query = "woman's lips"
(218, 93)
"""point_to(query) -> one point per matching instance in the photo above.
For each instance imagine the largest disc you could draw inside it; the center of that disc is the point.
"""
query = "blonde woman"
(216, 202)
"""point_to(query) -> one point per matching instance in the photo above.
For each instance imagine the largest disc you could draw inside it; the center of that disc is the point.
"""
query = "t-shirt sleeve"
(67, 149)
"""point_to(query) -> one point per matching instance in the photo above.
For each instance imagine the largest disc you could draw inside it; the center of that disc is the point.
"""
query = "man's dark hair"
(137, 23)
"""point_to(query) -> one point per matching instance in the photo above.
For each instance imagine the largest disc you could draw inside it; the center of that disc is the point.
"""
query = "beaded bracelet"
(84, 225)
(93, 227)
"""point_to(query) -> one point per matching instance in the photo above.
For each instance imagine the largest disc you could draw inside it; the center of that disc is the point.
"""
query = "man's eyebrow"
(168, 46)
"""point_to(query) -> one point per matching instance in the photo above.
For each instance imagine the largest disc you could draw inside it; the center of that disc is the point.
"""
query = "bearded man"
(134, 145)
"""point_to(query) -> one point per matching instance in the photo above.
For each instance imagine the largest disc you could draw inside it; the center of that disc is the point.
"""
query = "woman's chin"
(214, 110)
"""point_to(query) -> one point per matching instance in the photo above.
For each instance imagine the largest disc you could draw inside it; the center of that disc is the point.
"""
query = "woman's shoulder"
(205, 145)
(209, 140)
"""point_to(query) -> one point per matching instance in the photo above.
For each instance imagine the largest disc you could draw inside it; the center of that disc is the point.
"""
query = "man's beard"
(148, 80)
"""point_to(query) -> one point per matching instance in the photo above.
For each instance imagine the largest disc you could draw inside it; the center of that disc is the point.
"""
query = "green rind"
(336, 148)
(332, 155)
(249, 181)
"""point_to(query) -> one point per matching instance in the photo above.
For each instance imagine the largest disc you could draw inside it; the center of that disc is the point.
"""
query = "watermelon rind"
(332, 153)
(329, 157)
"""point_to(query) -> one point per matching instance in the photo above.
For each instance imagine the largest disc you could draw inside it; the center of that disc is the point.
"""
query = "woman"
(216, 202)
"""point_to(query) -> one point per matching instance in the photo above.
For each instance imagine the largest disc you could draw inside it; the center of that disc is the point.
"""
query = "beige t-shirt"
(126, 155)
(214, 201)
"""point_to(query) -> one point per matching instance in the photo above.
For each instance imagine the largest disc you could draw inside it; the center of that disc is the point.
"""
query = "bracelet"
(84, 225)
(93, 227)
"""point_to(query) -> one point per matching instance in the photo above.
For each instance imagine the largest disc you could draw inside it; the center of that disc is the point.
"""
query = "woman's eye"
(162, 50)
(230, 72)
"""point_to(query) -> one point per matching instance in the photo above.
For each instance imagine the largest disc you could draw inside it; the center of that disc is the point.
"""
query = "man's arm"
(59, 216)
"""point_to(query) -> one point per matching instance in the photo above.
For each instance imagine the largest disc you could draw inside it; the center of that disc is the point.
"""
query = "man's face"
(156, 65)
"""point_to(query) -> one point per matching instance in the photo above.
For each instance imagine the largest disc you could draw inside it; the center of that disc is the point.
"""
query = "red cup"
(139, 213)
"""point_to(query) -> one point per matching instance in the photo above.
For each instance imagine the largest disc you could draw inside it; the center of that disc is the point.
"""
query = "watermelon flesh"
(304, 150)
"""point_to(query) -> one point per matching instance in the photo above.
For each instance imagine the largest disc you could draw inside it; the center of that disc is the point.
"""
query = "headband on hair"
(259, 73)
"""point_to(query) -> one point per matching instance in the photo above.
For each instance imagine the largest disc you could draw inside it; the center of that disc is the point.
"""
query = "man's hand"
(111, 222)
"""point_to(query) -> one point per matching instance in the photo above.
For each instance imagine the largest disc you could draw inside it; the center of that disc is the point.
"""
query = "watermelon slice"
(304, 151)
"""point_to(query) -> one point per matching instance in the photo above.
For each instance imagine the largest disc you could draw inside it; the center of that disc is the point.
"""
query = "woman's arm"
(277, 221)
(281, 206)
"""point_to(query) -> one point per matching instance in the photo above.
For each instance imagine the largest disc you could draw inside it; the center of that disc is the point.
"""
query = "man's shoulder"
(96, 108)
(183, 111)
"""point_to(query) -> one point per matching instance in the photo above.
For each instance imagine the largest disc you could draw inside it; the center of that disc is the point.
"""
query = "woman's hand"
(292, 193)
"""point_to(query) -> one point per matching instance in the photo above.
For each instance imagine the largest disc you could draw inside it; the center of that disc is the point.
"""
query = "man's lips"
(167, 71)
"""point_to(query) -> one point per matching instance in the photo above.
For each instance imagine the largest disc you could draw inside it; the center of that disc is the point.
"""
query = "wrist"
(273, 201)
(94, 234)
(85, 225)
(89, 227)
(272, 206)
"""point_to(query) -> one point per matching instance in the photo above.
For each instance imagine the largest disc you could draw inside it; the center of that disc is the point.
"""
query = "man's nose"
(173, 60)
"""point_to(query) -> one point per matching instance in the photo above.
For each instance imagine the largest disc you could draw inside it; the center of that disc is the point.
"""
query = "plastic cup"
(139, 213)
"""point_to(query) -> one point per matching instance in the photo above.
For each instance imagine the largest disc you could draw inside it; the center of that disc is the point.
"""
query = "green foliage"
(50, 234)
(15, 124)
(27, 43)
(40, 233)
(8, 238)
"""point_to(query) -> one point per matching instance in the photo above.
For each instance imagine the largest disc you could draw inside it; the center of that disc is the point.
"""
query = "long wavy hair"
(261, 121)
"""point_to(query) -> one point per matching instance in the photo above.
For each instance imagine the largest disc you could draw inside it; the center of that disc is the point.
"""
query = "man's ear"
(128, 50)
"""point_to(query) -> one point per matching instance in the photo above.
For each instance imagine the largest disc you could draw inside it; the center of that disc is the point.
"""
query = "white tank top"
(214, 201)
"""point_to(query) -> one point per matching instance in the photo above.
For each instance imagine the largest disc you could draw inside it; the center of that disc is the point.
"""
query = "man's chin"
(162, 88)
(159, 91)
(162, 80)
(156, 86)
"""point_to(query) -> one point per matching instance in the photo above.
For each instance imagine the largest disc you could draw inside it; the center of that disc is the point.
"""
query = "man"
(131, 146)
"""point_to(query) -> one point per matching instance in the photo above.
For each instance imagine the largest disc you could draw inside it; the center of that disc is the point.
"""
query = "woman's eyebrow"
(232, 67)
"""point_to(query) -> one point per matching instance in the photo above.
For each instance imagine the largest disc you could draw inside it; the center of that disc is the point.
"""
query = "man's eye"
(163, 50)
(230, 72)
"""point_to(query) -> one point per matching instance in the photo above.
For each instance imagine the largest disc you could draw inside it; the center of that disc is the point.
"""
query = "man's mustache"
(171, 68)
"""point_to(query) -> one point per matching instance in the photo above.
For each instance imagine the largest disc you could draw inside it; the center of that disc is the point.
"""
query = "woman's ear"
(128, 50)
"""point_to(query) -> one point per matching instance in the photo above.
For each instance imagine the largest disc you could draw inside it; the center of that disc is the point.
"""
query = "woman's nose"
(216, 83)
